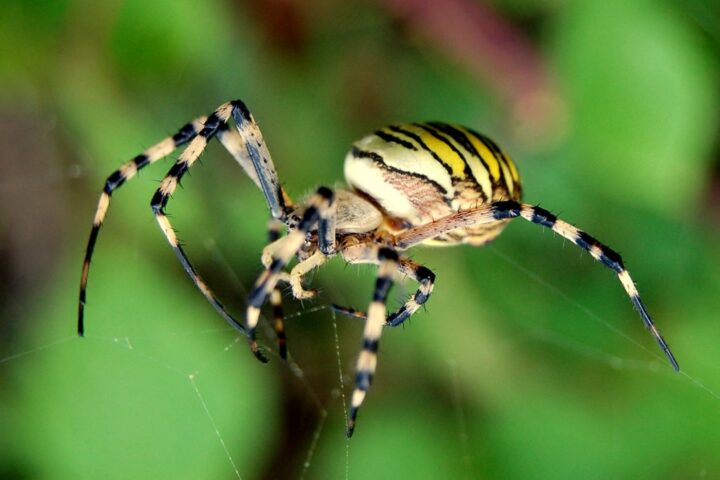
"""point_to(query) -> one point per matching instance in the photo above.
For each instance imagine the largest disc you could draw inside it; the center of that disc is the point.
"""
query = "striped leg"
(279, 322)
(499, 211)
(295, 280)
(367, 361)
(169, 184)
(255, 150)
(245, 144)
(319, 207)
(295, 277)
(276, 297)
(327, 243)
(114, 181)
(426, 278)
(421, 274)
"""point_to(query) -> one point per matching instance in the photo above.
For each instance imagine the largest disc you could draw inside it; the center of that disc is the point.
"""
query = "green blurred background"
(529, 362)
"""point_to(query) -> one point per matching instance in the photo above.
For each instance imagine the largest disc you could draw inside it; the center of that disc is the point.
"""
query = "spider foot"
(349, 312)
(258, 353)
(254, 348)
(393, 320)
(350, 429)
(398, 318)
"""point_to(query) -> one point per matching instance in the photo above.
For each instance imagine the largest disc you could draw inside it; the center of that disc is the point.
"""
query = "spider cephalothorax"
(421, 183)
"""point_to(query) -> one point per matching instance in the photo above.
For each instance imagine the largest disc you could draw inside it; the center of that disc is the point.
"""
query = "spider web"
(129, 344)
(133, 345)
(326, 403)
(291, 365)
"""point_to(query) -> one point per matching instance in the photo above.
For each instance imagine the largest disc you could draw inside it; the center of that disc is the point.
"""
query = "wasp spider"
(412, 184)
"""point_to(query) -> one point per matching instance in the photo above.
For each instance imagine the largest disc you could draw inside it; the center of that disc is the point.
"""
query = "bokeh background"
(529, 362)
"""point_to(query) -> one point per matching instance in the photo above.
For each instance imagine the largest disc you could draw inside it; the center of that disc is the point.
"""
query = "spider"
(419, 183)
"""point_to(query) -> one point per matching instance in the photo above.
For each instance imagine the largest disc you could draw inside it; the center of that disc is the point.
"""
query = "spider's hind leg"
(600, 252)
(509, 209)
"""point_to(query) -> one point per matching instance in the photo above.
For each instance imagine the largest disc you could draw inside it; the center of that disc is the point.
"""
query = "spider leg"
(169, 184)
(327, 245)
(319, 207)
(247, 145)
(296, 275)
(349, 312)
(367, 360)
(505, 210)
(421, 274)
(127, 171)
(426, 278)
(295, 281)
(276, 297)
(327, 242)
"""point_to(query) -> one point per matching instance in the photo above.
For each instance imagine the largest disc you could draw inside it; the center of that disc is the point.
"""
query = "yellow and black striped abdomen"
(419, 172)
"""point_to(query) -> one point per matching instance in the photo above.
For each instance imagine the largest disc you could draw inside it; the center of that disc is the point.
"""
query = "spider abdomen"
(420, 172)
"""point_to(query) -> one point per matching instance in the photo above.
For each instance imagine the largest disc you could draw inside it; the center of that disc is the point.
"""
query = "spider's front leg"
(247, 146)
(319, 212)
(245, 143)
(214, 123)
(118, 178)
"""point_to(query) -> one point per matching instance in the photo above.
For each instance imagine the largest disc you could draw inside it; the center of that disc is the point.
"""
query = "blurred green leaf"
(643, 101)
